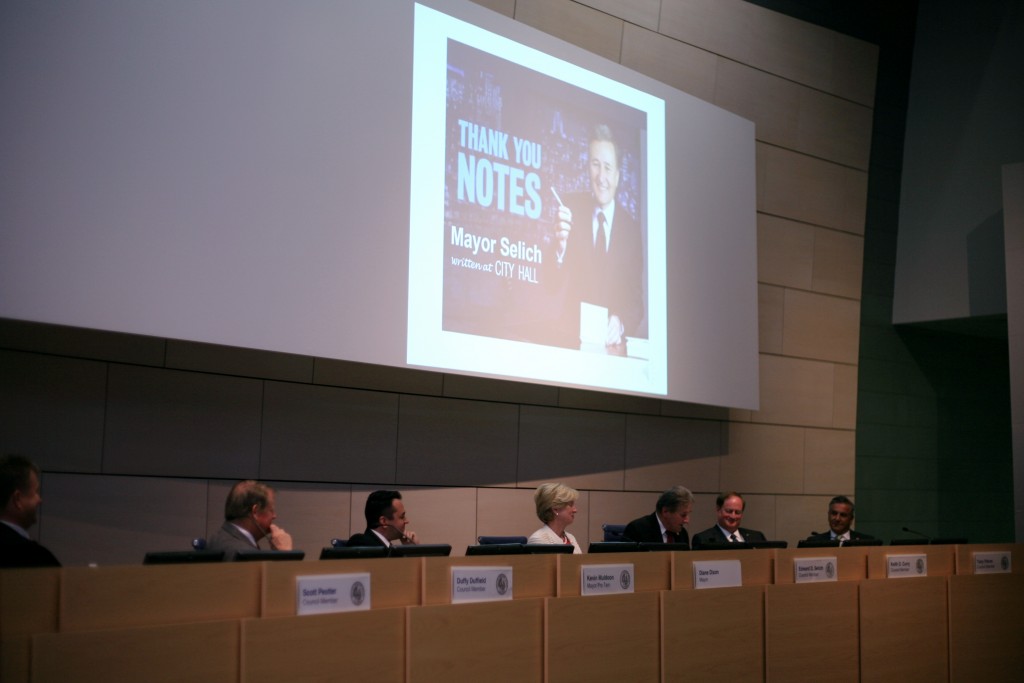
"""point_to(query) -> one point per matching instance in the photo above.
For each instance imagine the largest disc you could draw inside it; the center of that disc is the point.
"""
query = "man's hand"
(614, 334)
(562, 228)
(279, 538)
(409, 538)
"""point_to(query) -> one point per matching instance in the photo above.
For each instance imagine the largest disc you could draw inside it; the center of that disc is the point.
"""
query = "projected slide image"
(531, 254)
(543, 207)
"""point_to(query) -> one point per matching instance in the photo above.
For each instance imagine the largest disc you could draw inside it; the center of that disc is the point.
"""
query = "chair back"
(500, 540)
(613, 533)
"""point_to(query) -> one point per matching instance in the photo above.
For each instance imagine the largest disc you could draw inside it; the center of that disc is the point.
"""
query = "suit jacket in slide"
(613, 280)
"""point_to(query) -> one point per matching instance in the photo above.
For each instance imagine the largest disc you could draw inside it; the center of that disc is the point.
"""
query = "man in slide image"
(598, 250)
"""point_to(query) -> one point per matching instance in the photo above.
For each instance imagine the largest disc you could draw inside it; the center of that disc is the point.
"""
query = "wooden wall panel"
(899, 622)
(821, 327)
(684, 67)
(803, 188)
(713, 634)
(764, 459)
(325, 647)
(640, 12)
(595, 31)
(829, 460)
(462, 643)
(795, 391)
(811, 632)
(182, 652)
(603, 638)
(986, 635)
(121, 597)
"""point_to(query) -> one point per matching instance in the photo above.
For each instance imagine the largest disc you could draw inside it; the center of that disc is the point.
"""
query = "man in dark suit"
(729, 507)
(386, 521)
(19, 493)
(671, 512)
(840, 518)
(599, 251)
(249, 515)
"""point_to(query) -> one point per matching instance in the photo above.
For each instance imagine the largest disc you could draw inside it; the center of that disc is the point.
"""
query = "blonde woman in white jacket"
(556, 507)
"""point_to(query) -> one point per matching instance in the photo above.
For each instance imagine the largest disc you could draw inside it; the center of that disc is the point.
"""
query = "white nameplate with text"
(605, 579)
(904, 566)
(480, 584)
(717, 574)
(813, 569)
(327, 593)
(993, 563)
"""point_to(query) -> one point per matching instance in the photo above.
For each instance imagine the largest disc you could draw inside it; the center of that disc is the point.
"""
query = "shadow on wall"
(986, 267)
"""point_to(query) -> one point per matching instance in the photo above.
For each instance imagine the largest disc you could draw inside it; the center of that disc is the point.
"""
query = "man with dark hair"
(249, 515)
(385, 521)
(730, 507)
(19, 495)
(840, 517)
(599, 250)
(665, 525)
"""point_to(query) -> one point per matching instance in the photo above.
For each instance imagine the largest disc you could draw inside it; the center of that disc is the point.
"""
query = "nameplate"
(717, 574)
(814, 569)
(605, 579)
(993, 563)
(325, 593)
(904, 566)
(481, 584)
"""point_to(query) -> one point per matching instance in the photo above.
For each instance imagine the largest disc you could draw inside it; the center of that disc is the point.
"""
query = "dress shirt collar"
(247, 535)
(17, 528)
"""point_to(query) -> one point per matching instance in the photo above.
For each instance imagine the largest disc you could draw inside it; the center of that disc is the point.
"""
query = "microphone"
(918, 533)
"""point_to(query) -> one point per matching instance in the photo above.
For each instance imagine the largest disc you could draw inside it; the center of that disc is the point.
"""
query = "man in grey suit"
(729, 507)
(249, 516)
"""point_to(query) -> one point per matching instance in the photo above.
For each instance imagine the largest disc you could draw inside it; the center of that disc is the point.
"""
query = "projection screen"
(414, 185)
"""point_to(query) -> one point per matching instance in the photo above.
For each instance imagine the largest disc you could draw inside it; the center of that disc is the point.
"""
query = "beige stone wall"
(139, 438)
